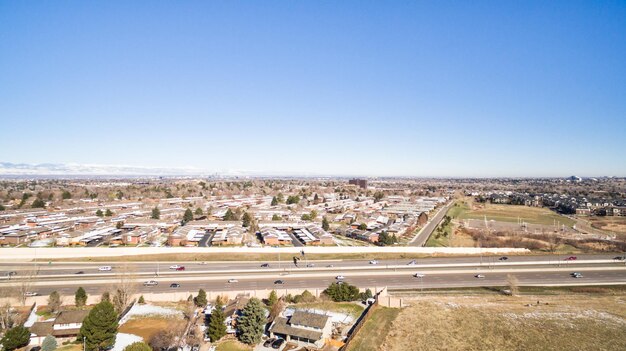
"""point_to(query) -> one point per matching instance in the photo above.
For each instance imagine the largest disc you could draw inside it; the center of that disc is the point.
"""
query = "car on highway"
(340, 277)
(11, 273)
(175, 266)
(576, 275)
(330, 266)
(279, 282)
(105, 268)
(30, 294)
(174, 285)
(619, 258)
(150, 283)
(479, 276)
(265, 265)
(571, 258)
(233, 281)
(311, 265)
(373, 262)
(412, 263)
(419, 275)
(80, 272)
(503, 258)
(278, 343)
(180, 268)
(268, 342)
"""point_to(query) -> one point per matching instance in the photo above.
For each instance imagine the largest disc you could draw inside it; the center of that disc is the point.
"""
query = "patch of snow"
(122, 340)
(150, 310)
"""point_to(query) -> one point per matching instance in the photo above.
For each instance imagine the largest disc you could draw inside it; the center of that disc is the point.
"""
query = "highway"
(423, 235)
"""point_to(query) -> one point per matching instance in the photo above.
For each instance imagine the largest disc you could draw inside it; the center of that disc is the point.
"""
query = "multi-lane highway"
(214, 276)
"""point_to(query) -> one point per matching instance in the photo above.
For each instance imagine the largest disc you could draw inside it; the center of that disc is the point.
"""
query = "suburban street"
(421, 238)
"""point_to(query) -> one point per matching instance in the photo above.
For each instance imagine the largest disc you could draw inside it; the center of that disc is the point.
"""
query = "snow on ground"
(122, 340)
(336, 317)
(150, 310)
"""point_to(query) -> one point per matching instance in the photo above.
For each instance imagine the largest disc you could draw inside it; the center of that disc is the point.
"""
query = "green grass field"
(353, 309)
(375, 329)
(512, 213)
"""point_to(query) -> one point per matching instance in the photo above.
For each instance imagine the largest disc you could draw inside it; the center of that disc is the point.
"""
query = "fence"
(359, 323)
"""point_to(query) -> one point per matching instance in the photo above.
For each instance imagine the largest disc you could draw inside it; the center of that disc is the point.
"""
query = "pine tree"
(54, 301)
(217, 328)
(246, 220)
(99, 213)
(274, 201)
(138, 346)
(229, 216)
(106, 296)
(141, 300)
(251, 324)
(200, 300)
(188, 216)
(272, 299)
(325, 224)
(156, 213)
(108, 213)
(49, 343)
(199, 212)
(80, 298)
(15, 338)
(99, 327)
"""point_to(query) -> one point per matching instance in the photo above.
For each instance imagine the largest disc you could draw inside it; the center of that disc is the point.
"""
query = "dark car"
(278, 343)
(619, 258)
(181, 268)
(503, 258)
(80, 272)
(174, 285)
(279, 282)
(265, 265)
(11, 273)
(35, 348)
(571, 258)
(268, 342)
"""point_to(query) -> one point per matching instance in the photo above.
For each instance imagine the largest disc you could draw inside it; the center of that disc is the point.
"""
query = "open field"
(582, 318)
(146, 327)
(511, 213)
(375, 329)
(615, 225)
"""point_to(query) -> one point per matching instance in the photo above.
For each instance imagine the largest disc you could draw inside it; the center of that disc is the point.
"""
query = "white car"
(419, 275)
(340, 277)
(174, 266)
(233, 281)
(373, 262)
(479, 276)
(151, 283)
(105, 268)
(30, 294)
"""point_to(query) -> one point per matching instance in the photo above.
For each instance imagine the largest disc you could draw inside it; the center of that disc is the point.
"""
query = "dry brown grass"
(147, 327)
(567, 322)
(611, 224)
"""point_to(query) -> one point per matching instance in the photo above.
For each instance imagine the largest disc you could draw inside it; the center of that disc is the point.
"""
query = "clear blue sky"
(423, 88)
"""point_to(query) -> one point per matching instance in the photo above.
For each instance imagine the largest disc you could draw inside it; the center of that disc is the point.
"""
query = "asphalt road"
(396, 281)
(68, 268)
(424, 234)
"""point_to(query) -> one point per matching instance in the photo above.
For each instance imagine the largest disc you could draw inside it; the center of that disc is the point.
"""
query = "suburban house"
(65, 326)
(273, 237)
(303, 326)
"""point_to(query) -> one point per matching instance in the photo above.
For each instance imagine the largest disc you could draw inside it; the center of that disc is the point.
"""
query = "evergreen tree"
(188, 216)
(199, 212)
(313, 215)
(217, 328)
(66, 195)
(38, 203)
(15, 338)
(325, 224)
(280, 198)
(108, 213)
(80, 298)
(49, 343)
(138, 346)
(99, 213)
(272, 299)
(274, 201)
(200, 300)
(229, 216)
(106, 296)
(141, 300)
(99, 327)
(54, 301)
(342, 292)
(156, 213)
(251, 324)
(246, 219)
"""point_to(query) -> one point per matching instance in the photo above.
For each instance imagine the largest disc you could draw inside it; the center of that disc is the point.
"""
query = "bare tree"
(7, 316)
(513, 284)
(124, 288)
(26, 282)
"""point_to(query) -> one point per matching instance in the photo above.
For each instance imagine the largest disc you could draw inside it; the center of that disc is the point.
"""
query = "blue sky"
(411, 88)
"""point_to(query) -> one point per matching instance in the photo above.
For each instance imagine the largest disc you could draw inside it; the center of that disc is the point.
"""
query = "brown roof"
(308, 319)
(41, 328)
(66, 332)
(281, 326)
(67, 317)
(237, 304)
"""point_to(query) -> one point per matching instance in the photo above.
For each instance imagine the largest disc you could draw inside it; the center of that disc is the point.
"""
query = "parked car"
(174, 285)
(373, 262)
(105, 268)
(419, 275)
(180, 268)
(265, 265)
(571, 258)
(479, 276)
(150, 283)
(268, 342)
(30, 294)
(278, 343)
(279, 282)
(340, 277)
(503, 258)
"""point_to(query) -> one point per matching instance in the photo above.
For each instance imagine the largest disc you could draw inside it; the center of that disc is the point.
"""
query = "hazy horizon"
(414, 89)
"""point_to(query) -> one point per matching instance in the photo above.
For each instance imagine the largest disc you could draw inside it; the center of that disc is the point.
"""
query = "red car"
(181, 268)
(571, 258)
